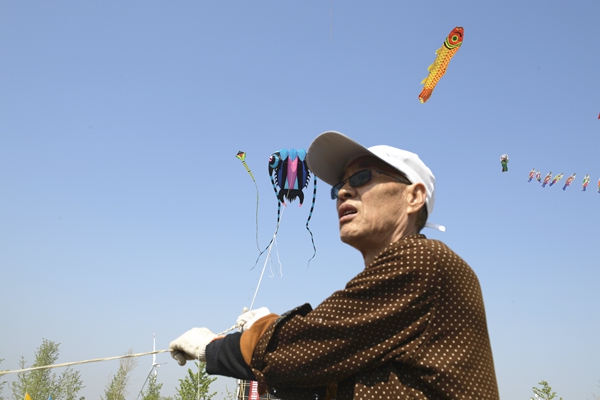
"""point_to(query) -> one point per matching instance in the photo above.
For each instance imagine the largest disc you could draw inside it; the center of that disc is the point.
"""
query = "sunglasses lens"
(358, 179)
(335, 189)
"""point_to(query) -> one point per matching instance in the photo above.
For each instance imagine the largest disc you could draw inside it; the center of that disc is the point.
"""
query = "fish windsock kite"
(531, 175)
(569, 180)
(538, 176)
(586, 181)
(443, 56)
(290, 175)
(598, 185)
(557, 178)
(504, 162)
(547, 179)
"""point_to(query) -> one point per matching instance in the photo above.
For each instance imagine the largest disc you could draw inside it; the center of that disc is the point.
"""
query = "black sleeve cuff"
(224, 357)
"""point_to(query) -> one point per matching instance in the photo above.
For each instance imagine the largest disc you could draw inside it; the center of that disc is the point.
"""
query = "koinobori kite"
(443, 56)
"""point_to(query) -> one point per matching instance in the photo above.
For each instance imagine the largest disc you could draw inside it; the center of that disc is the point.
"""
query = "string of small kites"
(548, 180)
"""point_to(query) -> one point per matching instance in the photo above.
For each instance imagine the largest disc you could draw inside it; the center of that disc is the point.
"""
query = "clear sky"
(124, 212)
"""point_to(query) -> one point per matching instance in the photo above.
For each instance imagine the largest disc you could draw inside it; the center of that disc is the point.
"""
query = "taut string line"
(82, 362)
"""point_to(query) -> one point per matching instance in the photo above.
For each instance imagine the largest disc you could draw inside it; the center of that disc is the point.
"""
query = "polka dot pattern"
(411, 325)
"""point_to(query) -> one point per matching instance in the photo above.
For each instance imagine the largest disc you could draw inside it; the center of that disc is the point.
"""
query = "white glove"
(191, 345)
(247, 318)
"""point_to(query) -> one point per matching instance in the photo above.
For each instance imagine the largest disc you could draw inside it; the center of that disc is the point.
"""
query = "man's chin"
(349, 238)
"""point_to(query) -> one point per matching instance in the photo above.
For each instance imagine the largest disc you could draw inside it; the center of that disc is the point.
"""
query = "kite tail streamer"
(242, 157)
(312, 207)
(279, 213)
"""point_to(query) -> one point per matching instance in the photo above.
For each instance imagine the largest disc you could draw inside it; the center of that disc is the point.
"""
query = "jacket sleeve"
(231, 355)
(224, 357)
(381, 316)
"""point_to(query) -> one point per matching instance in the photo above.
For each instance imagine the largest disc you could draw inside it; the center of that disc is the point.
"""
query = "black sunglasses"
(362, 178)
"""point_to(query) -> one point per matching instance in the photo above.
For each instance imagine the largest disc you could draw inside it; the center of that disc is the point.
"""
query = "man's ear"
(415, 197)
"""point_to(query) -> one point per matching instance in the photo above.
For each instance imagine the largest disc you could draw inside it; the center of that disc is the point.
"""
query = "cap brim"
(330, 153)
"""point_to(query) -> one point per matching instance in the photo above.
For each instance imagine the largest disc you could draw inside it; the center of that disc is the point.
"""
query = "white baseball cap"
(331, 152)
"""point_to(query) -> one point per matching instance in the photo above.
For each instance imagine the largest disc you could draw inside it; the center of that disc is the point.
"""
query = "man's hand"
(247, 318)
(191, 345)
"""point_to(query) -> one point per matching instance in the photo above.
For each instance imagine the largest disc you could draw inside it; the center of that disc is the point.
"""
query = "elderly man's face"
(374, 214)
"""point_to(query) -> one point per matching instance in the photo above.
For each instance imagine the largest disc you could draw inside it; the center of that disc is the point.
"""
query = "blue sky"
(124, 212)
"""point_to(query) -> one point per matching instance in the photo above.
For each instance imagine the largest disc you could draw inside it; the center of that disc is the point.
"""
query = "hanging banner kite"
(504, 162)
(557, 178)
(290, 175)
(443, 56)
(547, 179)
(569, 180)
(586, 181)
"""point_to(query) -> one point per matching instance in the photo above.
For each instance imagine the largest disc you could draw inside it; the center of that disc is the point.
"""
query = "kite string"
(68, 364)
(83, 362)
(266, 260)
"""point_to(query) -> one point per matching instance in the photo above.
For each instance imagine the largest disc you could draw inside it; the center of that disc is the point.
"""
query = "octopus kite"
(440, 64)
(290, 175)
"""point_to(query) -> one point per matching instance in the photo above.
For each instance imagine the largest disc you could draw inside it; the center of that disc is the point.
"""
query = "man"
(411, 325)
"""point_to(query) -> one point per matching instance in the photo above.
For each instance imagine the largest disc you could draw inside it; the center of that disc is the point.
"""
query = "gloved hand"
(191, 345)
(247, 318)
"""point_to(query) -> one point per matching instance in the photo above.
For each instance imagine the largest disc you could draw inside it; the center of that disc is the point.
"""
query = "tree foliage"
(153, 390)
(42, 383)
(195, 385)
(116, 389)
(543, 393)
(2, 383)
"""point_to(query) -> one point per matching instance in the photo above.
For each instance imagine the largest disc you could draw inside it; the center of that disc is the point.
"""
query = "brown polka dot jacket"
(412, 325)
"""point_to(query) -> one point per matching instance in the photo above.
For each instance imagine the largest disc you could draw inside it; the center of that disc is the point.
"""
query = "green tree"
(42, 383)
(153, 391)
(195, 385)
(116, 389)
(2, 383)
(543, 393)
